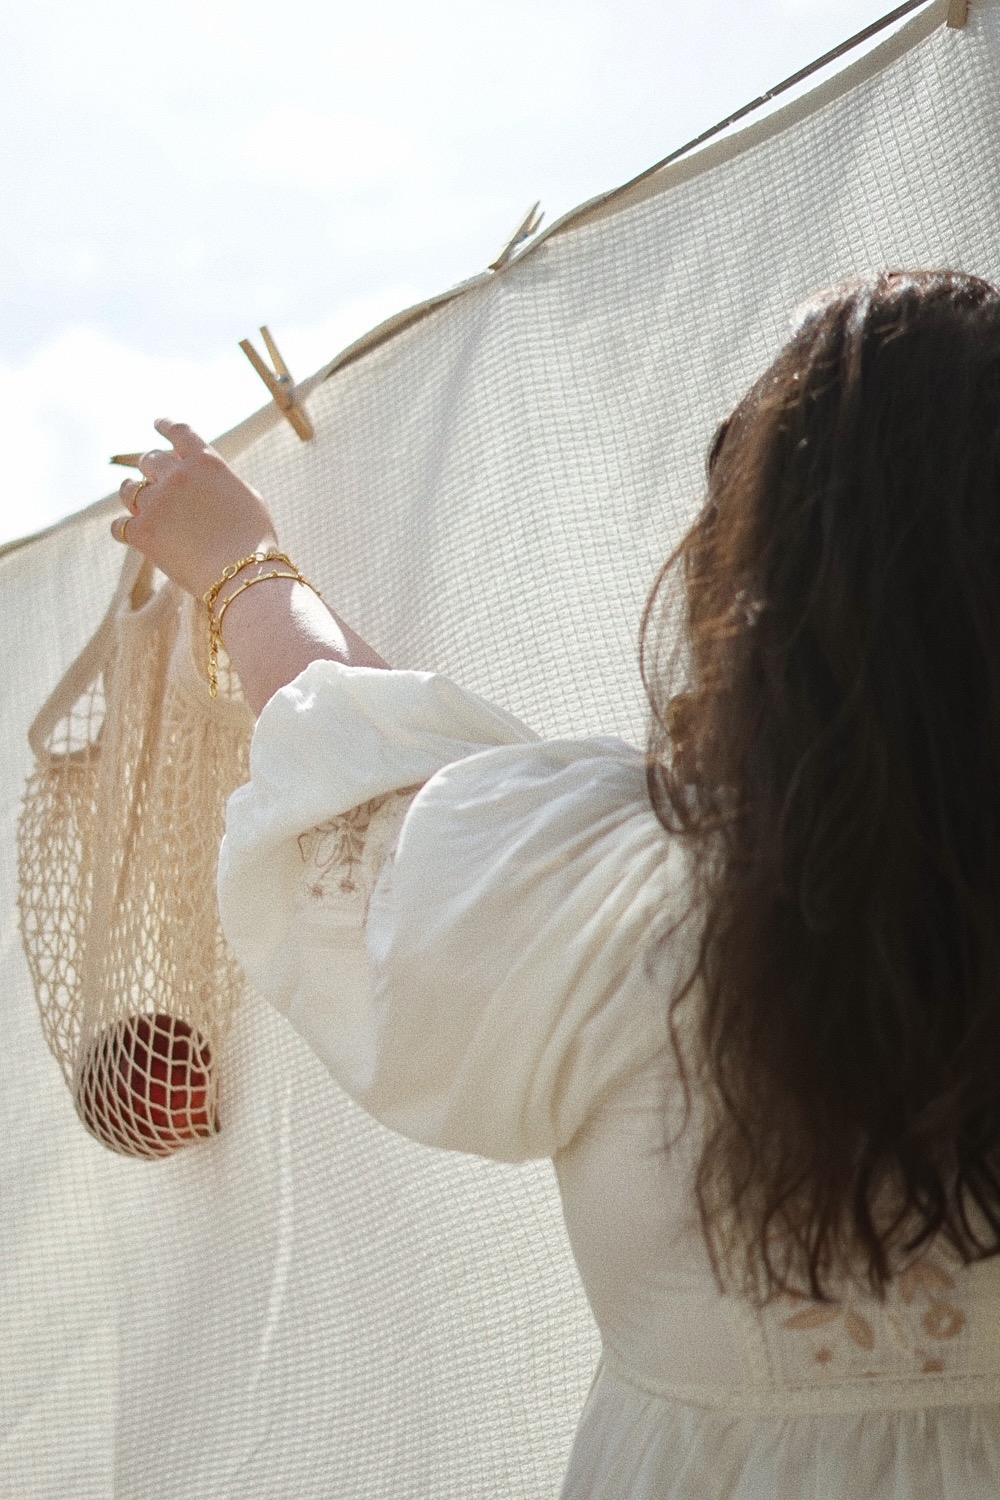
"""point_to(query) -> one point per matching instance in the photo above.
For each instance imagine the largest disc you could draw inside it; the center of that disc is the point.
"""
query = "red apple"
(146, 1086)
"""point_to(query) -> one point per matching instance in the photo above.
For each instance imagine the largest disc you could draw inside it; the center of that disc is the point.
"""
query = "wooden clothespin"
(280, 383)
(958, 14)
(524, 231)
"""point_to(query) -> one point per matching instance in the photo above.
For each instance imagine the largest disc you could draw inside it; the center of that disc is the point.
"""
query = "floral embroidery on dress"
(921, 1328)
(344, 856)
(336, 848)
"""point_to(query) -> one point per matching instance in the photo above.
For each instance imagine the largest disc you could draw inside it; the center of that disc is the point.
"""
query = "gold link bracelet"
(210, 596)
(259, 556)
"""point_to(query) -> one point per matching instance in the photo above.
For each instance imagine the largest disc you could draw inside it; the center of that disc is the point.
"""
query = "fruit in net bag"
(147, 1087)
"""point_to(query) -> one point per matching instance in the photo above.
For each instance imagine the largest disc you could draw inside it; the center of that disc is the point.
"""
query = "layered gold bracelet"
(215, 620)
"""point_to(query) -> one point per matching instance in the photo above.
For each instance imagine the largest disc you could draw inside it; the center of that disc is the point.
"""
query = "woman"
(745, 991)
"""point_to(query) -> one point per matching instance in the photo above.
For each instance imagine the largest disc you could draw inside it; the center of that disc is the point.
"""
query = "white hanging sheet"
(308, 1305)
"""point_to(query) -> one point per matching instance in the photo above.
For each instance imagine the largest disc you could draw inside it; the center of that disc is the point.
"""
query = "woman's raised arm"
(193, 517)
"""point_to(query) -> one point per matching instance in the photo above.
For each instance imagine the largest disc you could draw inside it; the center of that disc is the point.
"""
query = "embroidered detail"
(344, 856)
(921, 1327)
(336, 848)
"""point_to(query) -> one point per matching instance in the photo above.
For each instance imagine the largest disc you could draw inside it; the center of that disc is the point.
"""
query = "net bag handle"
(134, 592)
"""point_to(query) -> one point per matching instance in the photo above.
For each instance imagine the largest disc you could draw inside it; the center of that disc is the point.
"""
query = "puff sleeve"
(480, 979)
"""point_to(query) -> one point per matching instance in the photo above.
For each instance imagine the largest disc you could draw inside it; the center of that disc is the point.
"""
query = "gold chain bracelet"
(261, 555)
(210, 596)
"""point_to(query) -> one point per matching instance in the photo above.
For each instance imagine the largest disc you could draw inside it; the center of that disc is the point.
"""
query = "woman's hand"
(191, 515)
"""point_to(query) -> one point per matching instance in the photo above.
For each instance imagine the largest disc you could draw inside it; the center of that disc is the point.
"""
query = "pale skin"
(192, 520)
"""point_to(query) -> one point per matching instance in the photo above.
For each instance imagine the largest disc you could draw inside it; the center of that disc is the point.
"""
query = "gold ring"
(141, 484)
(121, 530)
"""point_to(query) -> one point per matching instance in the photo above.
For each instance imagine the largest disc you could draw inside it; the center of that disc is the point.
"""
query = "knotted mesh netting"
(118, 842)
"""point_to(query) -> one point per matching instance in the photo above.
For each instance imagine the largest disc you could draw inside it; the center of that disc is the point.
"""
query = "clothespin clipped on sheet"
(280, 383)
(524, 231)
(958, 14)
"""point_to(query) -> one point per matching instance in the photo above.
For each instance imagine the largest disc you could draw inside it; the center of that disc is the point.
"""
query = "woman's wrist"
(230, 586)
(224, 590)
(238, 566)
(272, 630)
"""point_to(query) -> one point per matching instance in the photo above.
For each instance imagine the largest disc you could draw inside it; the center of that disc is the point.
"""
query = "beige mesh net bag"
(118, 843)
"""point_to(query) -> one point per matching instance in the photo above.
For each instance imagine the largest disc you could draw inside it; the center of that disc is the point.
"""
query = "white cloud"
(82, 396)
(321, 150)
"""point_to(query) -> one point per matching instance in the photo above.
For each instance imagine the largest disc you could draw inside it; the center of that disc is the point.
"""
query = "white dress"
(483, 983)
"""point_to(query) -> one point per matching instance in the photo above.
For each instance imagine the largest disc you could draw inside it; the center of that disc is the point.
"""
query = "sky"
(176, 174)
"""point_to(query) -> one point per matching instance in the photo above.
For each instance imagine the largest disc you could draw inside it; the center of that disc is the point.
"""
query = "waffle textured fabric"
(308, 1305)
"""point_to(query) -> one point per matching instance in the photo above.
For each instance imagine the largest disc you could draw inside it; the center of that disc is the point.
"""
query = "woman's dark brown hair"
(822, 656)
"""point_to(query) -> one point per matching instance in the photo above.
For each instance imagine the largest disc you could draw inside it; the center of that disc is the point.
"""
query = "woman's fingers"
(157, 464)
(186, 442)
(129, 491)
(118, 528)
(191, 515)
